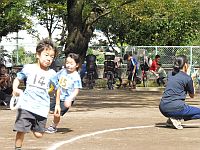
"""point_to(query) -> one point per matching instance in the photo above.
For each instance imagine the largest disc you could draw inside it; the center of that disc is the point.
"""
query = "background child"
(172, 104)
(34, 104)
(69, 85)
(154, 64)
(132, 69)
(5, 86)
(161, 75)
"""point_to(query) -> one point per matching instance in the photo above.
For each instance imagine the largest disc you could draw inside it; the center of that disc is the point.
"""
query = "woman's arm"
(191, 85)
(191, 95)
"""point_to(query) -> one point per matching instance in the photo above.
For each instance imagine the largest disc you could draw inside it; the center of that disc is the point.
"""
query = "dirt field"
(104, 119)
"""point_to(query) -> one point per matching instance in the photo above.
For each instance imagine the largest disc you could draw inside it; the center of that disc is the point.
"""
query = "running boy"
(34, 104)
(69, 85)
(172, 104)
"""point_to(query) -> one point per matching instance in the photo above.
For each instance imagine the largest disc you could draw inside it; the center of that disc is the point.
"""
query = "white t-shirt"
(36, 98)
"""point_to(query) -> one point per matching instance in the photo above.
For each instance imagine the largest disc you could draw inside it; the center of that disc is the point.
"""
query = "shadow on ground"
(88, 100)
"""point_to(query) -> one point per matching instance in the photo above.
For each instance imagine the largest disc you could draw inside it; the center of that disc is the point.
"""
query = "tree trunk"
(79, 32)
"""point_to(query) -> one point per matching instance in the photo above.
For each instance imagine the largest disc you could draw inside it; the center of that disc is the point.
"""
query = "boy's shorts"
(27, 121)
(62, 106)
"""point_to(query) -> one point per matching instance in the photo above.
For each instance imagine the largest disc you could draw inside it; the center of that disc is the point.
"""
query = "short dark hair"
(157, 56)
(2, 66)
(126, 57)
(46, 44)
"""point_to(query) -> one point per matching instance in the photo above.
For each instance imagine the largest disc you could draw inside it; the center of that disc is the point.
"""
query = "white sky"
(29, 43)
(25, 40)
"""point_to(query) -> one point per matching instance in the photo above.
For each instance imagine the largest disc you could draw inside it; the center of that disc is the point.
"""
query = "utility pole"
(17, 47)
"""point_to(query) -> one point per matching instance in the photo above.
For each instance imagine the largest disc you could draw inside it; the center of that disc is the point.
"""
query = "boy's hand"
(57, 110)
(16, 92)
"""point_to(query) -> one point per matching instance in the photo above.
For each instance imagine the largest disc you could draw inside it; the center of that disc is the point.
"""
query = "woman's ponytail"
(179, 64)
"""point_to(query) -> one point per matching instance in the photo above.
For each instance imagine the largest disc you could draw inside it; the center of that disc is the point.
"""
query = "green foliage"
(13, 16)
(100, 59)
(101, 83)
(89, 51)
(154, 22)
(24, 57)
(49, 13)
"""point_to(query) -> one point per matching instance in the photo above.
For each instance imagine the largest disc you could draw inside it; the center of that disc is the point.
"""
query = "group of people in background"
(179, 84)
(154, 68)
(35, 101)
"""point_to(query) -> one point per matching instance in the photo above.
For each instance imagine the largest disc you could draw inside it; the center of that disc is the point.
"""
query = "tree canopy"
(154, 22)
(50, 15)
(13, 16)
(133, 22)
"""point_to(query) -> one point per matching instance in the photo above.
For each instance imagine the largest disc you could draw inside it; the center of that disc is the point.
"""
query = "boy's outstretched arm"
(57, 106)
(16, 90)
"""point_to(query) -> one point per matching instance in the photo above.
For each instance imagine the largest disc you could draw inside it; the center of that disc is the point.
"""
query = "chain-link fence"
(167, 53)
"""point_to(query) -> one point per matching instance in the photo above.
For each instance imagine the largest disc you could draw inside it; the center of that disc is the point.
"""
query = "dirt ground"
(103, 119)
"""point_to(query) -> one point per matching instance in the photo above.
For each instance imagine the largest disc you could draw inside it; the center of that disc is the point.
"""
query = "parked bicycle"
(110, 72)
(91, 69)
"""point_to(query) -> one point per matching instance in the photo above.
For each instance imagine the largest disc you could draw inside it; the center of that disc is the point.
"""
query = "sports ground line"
(57, 145)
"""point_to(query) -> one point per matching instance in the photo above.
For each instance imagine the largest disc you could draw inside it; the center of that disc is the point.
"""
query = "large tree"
(82, 16)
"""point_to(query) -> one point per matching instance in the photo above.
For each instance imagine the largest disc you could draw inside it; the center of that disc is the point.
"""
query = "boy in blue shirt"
(34, 103)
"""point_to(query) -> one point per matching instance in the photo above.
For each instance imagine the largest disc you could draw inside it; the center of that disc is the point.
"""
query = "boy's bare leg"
(19, 139)
(56, 119)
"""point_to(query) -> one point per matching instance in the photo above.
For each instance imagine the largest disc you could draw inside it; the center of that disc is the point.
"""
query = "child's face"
(157, 59)
(3, 70)
(70, 64)
(46, 57)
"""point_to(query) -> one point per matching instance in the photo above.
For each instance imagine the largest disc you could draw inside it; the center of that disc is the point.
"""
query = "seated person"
(154, 66)
(5, 80)
(5, 83)
(161, 75)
